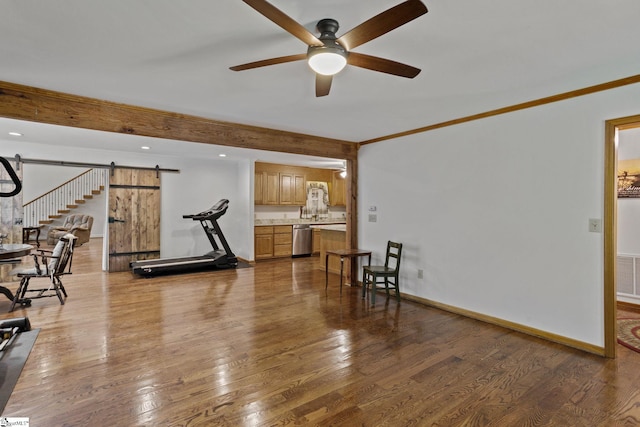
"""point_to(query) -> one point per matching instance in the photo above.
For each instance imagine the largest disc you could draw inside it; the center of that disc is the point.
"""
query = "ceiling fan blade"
(287, 23)
(382, 65)
(271, 61)
(323, 85)
(382, 23)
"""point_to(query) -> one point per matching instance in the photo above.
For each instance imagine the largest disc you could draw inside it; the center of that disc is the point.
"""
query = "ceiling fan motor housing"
(328, 28)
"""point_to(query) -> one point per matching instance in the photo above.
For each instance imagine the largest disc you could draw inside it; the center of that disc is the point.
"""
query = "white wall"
(200, 183)
(496, 212)
(39, 179)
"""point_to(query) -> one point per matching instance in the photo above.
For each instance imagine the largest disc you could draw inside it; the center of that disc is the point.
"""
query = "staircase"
(64, 198)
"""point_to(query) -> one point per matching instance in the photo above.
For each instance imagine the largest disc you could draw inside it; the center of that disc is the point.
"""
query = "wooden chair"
(387, 273)
(50, 265)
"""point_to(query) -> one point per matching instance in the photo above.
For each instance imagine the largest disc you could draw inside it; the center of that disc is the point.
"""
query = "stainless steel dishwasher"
(302, 240)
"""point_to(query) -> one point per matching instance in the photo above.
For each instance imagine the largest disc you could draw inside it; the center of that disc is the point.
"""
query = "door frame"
(610, 228)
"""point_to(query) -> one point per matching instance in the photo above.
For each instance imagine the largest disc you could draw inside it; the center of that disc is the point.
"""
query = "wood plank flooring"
(267, 346)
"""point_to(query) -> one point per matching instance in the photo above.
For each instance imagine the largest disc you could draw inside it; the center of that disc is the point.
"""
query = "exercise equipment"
(14, 178)
(10, 328)
(219, 258)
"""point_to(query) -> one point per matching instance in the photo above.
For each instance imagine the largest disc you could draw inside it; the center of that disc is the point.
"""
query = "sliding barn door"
(134, 217)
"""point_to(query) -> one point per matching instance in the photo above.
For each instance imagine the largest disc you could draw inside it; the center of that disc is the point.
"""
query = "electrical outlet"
(420, 273)
(373, 217)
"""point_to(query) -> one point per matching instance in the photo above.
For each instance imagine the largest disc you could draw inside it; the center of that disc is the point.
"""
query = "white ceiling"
(175, 55)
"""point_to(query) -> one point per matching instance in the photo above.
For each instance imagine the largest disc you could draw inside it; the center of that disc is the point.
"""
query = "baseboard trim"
(569, 342)
(629, 306)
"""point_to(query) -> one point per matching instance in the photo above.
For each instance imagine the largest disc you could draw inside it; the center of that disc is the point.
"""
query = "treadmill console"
(216, 211)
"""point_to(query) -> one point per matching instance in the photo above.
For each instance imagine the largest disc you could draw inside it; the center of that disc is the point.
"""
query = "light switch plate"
(595, 225)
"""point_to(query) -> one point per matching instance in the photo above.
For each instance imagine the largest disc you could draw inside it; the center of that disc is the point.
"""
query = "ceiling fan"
(328, 54)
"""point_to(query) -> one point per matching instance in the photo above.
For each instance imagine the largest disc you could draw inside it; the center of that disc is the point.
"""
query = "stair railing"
(65, 196)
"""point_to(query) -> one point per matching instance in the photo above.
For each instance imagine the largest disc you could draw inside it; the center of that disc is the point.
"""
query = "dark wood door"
(134, 217)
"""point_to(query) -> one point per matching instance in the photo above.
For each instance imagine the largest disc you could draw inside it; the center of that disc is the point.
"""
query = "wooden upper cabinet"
(286, 189)
(338, 196)
(267, 188)
(299, 190)
(292, 189)
(258, 190)
(285, 184)
(271, 189)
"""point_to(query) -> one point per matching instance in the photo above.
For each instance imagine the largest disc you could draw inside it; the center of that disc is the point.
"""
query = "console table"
(352, 254)
(26, 234)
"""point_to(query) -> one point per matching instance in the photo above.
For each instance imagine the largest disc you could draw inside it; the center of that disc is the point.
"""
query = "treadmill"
(219, 258)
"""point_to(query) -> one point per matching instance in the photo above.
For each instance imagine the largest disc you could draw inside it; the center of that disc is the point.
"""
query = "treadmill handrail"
(214, 212)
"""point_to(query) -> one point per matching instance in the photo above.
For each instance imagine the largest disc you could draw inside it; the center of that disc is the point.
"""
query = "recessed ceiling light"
(222, 155)
(144, 147)
(15, 134)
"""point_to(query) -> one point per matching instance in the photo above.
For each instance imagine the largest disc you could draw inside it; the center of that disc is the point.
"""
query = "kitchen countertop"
(331, 227)
(259, 222)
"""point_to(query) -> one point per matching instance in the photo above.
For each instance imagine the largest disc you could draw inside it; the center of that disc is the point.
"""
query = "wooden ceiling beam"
(57, 108)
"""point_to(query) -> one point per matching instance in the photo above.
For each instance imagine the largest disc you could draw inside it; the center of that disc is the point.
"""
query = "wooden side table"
(343, 253)
(26, 234)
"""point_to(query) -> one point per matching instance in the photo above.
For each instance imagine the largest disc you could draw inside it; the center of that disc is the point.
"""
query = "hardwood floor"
(267, 346)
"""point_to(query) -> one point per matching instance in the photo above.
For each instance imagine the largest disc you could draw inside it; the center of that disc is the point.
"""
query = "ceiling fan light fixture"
(327, 60)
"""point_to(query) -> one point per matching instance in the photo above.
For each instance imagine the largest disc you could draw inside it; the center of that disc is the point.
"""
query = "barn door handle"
(112, 220)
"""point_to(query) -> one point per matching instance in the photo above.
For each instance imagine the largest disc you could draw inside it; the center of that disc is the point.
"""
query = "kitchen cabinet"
(271, 188)
(292, 189)
(267, 188)
(258, 189)
(317, 242)
(338, 195)
(282, 240)
(272, 241)
(263, 242)
(279, 188)
(333, 237)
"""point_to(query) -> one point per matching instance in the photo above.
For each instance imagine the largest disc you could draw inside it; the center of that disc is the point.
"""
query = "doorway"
(610, 229)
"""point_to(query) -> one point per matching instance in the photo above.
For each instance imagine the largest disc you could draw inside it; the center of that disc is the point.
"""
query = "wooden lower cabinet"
(273, 241)
(333, 239)
(263, 242)
(282, 240)
(317, 242)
